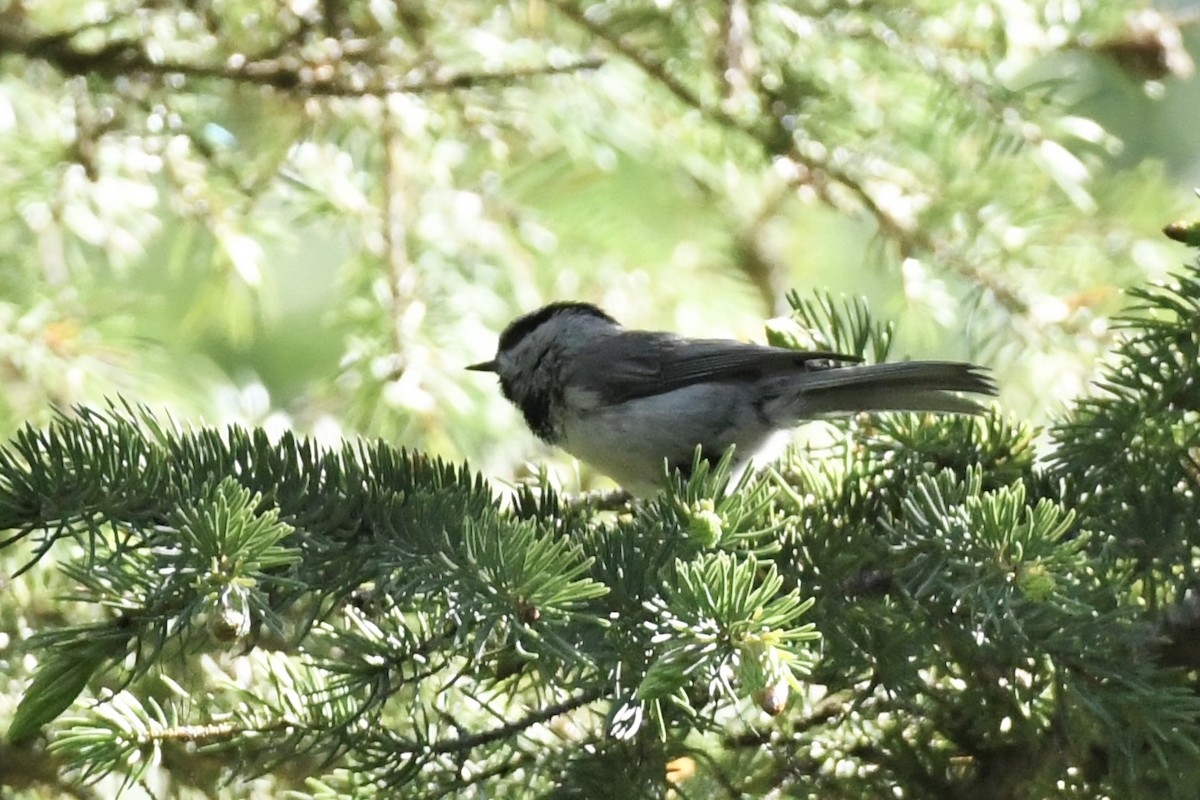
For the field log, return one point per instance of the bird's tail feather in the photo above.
(904, 386)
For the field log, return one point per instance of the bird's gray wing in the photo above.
(633, 364)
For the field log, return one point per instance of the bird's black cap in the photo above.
(521, 327)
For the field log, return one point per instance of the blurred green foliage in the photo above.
(310, 216)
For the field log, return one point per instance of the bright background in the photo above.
(178, 233)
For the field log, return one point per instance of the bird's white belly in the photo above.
(632, 442)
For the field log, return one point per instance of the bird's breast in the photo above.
(635, 440)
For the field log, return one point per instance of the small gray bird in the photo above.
(626, 402)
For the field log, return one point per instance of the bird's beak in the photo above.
(484, 366)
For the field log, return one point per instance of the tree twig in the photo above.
(817, 173)
(286, 73)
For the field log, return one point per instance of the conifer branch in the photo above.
(287, 73)
(462, 744)
(945, 572)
